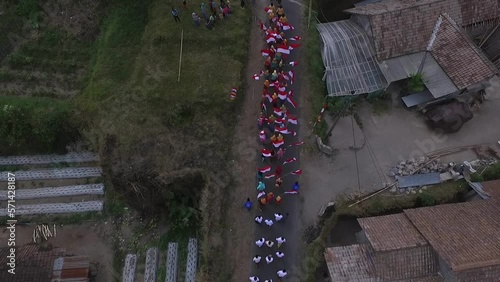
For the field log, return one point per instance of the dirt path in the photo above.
(240, 227)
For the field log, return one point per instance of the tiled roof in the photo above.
(349, 263)
(459, 57)
(492, 188)
(388, 6)
(465, 235)
(474, 11)
(391, 232)
(402, 27)
(424, 279)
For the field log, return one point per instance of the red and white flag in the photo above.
(270, 39)
(296, 144)
(277, 111)
(292, 192)
(283, 49)
(268, 98)
(282, 130)
(277, 143)
(265, 169)
(287, 26)
(279, 120)
(266, 52)
(282, 95)
(293, 46)
(234, 89)
(269, 176)
(292, 75)
(256, 77)
(293, 133)
(292, 120)
(261, 194)
(297, 172)
(295, 38)
(289, 161)
(267, 10)
(323, 109)
(291, 101)
(290, 93)
(263, 26)
(281, 88)
(293, 64)
(266, 153)
(285, 76)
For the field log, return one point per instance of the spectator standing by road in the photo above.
(196, 19)
(175, 14)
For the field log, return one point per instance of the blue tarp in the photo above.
(418, 180)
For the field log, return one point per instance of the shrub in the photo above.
(415, 83)
(35, 125)
(425, 199)
(492, 172)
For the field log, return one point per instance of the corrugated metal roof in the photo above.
(433, 76)
(71, 269)
(418, 180)
(349, 59)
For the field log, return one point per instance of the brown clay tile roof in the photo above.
(492, 188)
(424, 279)
(465, 235)
(391, 232)
(459, 57)
(402, 27)
(349, 263)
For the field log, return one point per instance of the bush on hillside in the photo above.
(34, 125)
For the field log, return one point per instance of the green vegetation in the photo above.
(491, 172)
(35, 125)
(315, 72)
(448, 192)
(415, 83)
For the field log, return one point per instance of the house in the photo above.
(386, 41)
(452, 242)
(34, 263)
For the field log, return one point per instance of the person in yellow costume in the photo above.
(280, 137)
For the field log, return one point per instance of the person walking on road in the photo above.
(280, 154)
(254, 279)
(175, 14)
(281, 273)
(260, 242)
(261, 186)
(278, 182)
(204, 11)
(248, 204)
(270, 197)
(278, 200)
(278, 217)
(269, 259)
(269, 223)
(268, 280)
(257, 259)
(296, 186)
(259, 219)
(269, 243)
(262, 203)
(280, 241)
(280, 254)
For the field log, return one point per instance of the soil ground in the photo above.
(396, 135)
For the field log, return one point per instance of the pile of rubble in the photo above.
(422, 164)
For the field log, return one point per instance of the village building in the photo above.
(387, 41)
(452, 242)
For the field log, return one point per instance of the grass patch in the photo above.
(448, 192)
(491, 172)
(35, 125)
(315, 72)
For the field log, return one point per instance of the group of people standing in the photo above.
(210, 12)
(275, 123)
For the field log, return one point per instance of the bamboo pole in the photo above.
(180, 56)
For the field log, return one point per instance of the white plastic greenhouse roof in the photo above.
(349, 59)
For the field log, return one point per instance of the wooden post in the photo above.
(180, 56)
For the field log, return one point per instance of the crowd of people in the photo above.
(211, 12)
(275, 126)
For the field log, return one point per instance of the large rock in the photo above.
(327, 150)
